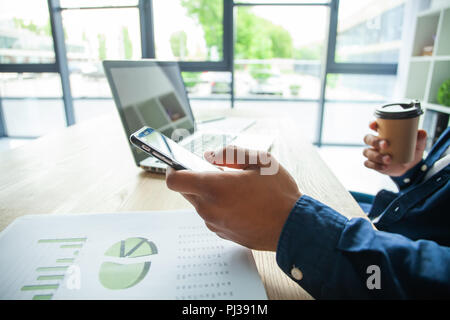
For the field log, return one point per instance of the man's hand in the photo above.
(382, 163)
(243, 206)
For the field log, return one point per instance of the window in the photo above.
(95, 35)
(96, 3)
(351, 102)
(357, 87)
(362, 74)
(101, 29)
(25, 35)
(32, 103)
(86, 109)
(347, 123)
(17, 85)
(283, 1)
(216, 85)
(278, 51)
(188, 30)
(278, 54)
(369, 31)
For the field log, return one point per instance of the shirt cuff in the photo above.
(308, 244)
(409, 177)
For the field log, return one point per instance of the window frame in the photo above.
(333, 67)
(351, 67)
(2, 121)
(59, 66)
(145, 8)
(148, 39)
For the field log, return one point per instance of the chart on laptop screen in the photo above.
(154, 255)
(152, 96)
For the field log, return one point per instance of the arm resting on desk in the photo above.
(334, 253)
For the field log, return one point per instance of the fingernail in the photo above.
(386, 159)
(209, 155)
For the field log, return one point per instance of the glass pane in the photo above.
(305, 114)
(369, 31)
(351, 87)
(25, 32)
(347, 123)
(104, 34)
(32, 117)
(283, 1)
(208, 84)
(96, 3)
(189, 30)
(351, 101)
(278, 51)
(89, 108)
(30, 85)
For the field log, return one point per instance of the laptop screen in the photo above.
(150, 93)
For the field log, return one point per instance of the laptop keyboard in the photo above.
(208, 142)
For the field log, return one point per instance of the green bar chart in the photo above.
(49, 278)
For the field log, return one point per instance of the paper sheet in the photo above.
(148, 255)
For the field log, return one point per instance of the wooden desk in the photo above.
(67, 172)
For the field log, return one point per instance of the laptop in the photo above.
(152, 93)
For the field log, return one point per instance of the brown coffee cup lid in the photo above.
(399, 110)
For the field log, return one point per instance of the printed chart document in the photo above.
(148, 255)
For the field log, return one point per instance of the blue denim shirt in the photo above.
(411, 246)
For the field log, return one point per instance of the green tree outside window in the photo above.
(257, 38)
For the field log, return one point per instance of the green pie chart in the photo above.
(117, 276)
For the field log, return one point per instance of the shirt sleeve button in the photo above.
(406, 180)
(424, 168)
(296, 274)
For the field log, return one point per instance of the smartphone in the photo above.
(168, 151)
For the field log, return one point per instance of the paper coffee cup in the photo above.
(398, 124)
